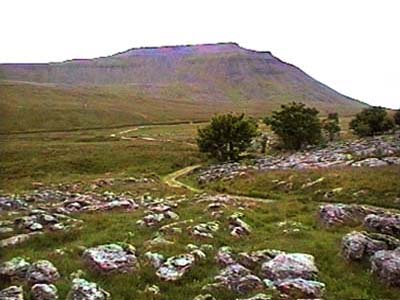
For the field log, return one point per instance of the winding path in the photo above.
(172, 181)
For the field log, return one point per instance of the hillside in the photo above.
(148, 85)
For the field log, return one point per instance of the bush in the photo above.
(330, 126)
(296, 125)
(396, 117)
(371, 121)
(227, 136)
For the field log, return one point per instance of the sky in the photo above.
(352, 46)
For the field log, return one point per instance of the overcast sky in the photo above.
(351, 45)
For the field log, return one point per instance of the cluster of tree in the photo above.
(227, 136)
(372, 121)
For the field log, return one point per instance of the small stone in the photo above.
(155, 259)
(225, 256)
(204, 297)
(43, 291)
(259, 296)
(152, 289)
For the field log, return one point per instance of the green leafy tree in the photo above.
(296, 125)
(396, 117)
(371, 121)
(227, 136)
(330, 126)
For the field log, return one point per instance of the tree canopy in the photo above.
(227, 136)
(296, 125)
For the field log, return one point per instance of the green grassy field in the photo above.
(82, 156)
(30, 107)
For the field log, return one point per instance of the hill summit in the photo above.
(189, 82)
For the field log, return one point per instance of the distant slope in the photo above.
(156, 84)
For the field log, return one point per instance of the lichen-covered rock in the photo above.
(238, 226)
(253, 259)
(237, 278)
(204, 297)
(111, 258)
(387, 224)
(225, 256)
(299, 288)
(290, 265)
(260, 296)
(12, 293)
(205, 230)
(42, 291)
(17, 239)
(386, 265)
(155, 259)
(42, 271)
(175, 267)
(358, 245)
(14, 268)
(85, 290)
(345, 214)
(370, 162)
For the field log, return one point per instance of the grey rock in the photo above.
(370, 162)
(42, 271)
(14, 268)
(112, 258)
(387, 224)
(299, 288)
(12, 293)
(205, 230)
(204, 297)
(290, 265)
(85, 290)
(255, 258)
(175, 267)
(238, 226)
(225, 256)
(42, 291)
(237, 278)
(386, 265)
(259, 296)
(358, 245)
(344, 214)
(155, 259)
(17, 239)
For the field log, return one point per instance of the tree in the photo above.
(371, 121)
(396, 117)
(227, 136)
(330, 126)
(296, 125)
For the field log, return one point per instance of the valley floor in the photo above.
(150, 167)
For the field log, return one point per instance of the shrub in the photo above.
(296, 125)
(371, 121)
(227, 136)
(330, 126)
